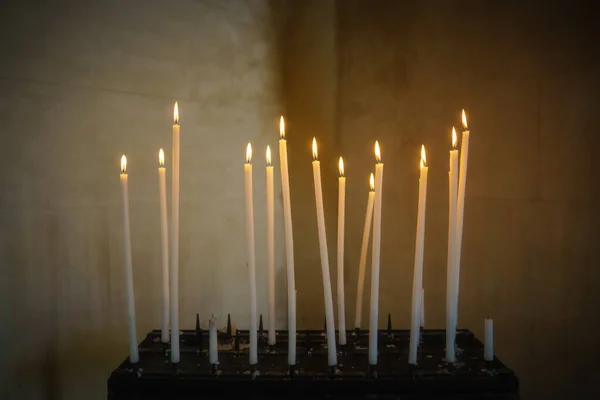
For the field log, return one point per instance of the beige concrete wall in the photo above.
(527, 75)
(82, 82)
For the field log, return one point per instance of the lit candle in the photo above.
(213, 349)
(418, 267)
(363, 254)
(271, 248)
(175, 239)
(450, 286)
(488, 344)
(250, 252)
(375, 258)
(330, 324)
(164, 236)
(289, 244)
(340, 254)
(133, 348)
(460, 205)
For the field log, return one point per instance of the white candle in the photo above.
(164, 236)
(289, 244)
(175, 239)
(450, 303)
(133, 348)
(488, 345)
(363, 255)
(375, 258)
(213, 349)
(340, 254)
(422, 308)
(460, 205)
(330, 323)
(250, 252)
(418, 267)
(270, 248)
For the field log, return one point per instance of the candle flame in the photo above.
(377, 152)
(176, 114)
(423, 157)
(269, 156)
(123, 164)
(248, 153)
(314, 149)
(341, 166)
(282, 128)
(372, 182)
(161, 158)
(464, 120)
(454, 139)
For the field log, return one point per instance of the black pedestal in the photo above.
(154, 377)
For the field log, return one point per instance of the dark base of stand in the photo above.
(471, 377)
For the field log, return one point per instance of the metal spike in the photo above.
(229, 325)
(260, 325)
(389, 327)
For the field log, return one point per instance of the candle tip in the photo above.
(268, 156)
(176, 114)
(281, 127)
(161, 158)
(341, 167)
(314, 149)
(249, 153)
(464, 120)
(377, 152)
(454, 139)
(123, 164)
(372, 182)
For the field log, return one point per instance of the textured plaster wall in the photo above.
(82, 82)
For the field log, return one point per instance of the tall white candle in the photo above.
(270, 249)
(488, 345)
(164, 240)
(422, 308)
(451, 273)
(375, 259)
(460, 205)
(289, 244)
(250, 252)
(133, 348)
(418, 267)
(329, 321)
(213, 349)
(175, 239)
(340, 254)
(363, 255)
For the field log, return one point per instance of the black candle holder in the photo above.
(156, 377)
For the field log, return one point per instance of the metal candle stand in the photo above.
(155, 377)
